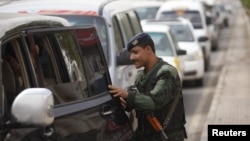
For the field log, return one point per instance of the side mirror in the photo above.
(124, 58)
(34, 106)
(202, 39)
(181, 52)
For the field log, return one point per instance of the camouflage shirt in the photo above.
(156, 92)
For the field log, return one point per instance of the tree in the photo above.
(246, 4)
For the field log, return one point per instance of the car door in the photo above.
(70, 62)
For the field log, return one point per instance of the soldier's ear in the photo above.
(148, 48)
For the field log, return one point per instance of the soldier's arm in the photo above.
(160, 95)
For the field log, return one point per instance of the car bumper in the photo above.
(193, 70)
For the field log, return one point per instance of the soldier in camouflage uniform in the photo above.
(158, 84)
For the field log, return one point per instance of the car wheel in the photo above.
(207, 64)
(215, 46)
(225, 22)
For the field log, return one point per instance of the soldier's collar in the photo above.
(145, 71)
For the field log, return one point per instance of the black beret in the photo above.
(137, 40)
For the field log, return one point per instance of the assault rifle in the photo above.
(153, 120)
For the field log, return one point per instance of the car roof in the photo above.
(151, 27)
(180, 20)
(208, 2)
(57, 4)
(168, 21)
(146, 3)
(92, 7)
(10, 21)
(173, 4)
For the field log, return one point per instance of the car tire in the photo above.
(215, 46)
(225, 22)
(207, 64)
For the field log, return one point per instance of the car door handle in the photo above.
(107, 113)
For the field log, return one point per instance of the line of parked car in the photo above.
(195, 24)
(59, 56)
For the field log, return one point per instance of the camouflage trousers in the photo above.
(177, 135)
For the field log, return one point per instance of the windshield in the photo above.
(163, 46)
(146, 12)
(193, 16)
(78, 20)
(182, 33)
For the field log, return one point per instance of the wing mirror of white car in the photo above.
(34, 106)
(181, 52)
(202, 39)
(124, 58)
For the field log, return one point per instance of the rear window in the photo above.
(181, 32)
(193, 16)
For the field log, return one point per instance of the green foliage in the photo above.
(246, 3)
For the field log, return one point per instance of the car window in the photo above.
(126, 27)
(134, 22)
(100, 24)
(81, 70)
(162, 44)
(193, 16)
(70, 62)
(13, 70)
(173, 39)
(118, 36)
(147, 12)
(182, 32)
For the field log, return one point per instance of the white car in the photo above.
(182, 29)
(224, 12)
(165, 46)
(195, 12)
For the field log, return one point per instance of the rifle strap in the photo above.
(171, 111)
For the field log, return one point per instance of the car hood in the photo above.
(190, 47)
(200, 32)
(169, 59)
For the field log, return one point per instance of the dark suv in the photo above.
(54, 84)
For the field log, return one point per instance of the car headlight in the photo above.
(176, 63)
(197, 55)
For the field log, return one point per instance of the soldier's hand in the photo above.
(118, 92)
